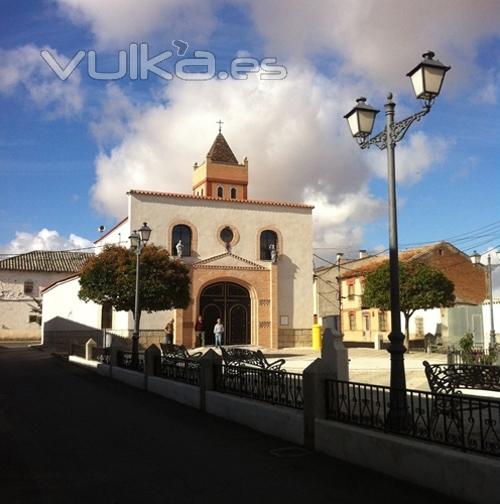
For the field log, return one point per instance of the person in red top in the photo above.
(199, 330)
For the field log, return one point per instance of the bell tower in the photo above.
(220, 175)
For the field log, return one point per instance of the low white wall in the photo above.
(133, 378)
(102, 369)
(466, 476)
(177, 391)
(285, 423)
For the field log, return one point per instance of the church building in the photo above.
(250, 261)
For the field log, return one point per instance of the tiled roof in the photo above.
(369, 264)
(211, 198)
(46, 260)
(220, 152)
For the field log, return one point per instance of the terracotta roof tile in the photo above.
(47, 260)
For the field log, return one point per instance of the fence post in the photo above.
(89, 346)
(334, 364)
(208, 362)
(152, 355)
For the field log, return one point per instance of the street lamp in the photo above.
(476, 259)
(427, 79)
(138, 240)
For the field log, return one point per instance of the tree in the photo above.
(421, 287)
(109, 277)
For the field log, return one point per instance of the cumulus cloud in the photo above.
(24, 67)
(415, 156)
(297, 146)
(379, 39)
(45, 239)
(120, 22)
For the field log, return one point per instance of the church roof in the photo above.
(220, 152)
(46, 260)
(221, 200)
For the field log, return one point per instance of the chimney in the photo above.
(363, 253)
(340, 256)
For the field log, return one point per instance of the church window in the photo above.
(267, 238)
(183, 233)
(227, 235)
(28, 286)
(233, 192)
(220, 192)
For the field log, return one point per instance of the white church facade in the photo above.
(250, 261)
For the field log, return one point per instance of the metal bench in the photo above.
(242, 357)
(453, 378)
(177, 352)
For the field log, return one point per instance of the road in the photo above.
(70, 436)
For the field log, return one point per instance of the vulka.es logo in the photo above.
(138, 64)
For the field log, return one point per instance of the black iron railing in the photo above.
(465, 422)
(179, 369)
(102, 355)
(274, 387)
(124, 360)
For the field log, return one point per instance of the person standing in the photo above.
(218, 332)
(199, 330)
(169, 332)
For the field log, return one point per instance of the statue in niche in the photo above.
(179, 247)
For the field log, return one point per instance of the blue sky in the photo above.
(70, 149)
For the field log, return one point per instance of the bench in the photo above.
(454, 378)
(242, 357)
(452, 401)
(171, 351)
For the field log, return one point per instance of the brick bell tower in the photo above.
(220, 175)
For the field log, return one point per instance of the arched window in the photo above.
(183, 233)
(220, 192)
(233, 192)
(267, 238)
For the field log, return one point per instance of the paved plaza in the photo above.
(68, 435)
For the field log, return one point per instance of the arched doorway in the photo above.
(231, 303)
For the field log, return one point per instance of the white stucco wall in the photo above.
(294, 227)
(16, 306)
(117, 236)
(487, 320)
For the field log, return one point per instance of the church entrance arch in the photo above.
(231, 303)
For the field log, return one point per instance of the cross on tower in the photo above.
(220, 123)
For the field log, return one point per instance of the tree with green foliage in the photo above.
(421, 287)
(109, 277)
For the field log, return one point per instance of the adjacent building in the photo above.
(22, 278)
(370, 326)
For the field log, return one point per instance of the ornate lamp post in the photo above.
(138, 240)
(427, 78)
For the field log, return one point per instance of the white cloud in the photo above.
(379, 39)
(120, 22)
(290, 130)
(24, 67)
(414, 157)
(45, 239)
(495, 275)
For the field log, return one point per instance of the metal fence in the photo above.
(179, 369)
(477, 355)
(124, 360)
(468, 423)
(274, 387)
(102, 355)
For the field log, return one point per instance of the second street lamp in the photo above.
(427, 79)
(138, 240)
